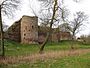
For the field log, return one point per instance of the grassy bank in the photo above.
(14, 49)
(57, 55)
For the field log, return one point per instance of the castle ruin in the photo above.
(27, 31)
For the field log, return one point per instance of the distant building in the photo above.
(27, 31)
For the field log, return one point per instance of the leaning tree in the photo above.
(55, 13)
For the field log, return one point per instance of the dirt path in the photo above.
(46, 55)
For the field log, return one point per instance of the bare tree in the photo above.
(56, 13)
(75, 26)
(46, 16)
(51, 23)
(62, 13)
(6, 7)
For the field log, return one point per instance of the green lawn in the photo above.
(17, 49)
(14, 49)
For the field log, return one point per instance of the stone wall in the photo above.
(29, 30)
(55, 36)
(65, 35)
(13, 32)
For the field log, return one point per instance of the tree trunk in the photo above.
(2, 34)
(72, 42)
(58, 35)
(44, 43)
(50, 29)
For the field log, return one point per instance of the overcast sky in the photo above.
(83, 5)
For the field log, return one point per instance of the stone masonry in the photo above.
(29, 29)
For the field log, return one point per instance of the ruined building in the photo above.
(27, 31)
(14, 32)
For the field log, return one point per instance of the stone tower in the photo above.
(29, 30)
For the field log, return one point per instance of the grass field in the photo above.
(57, 55)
